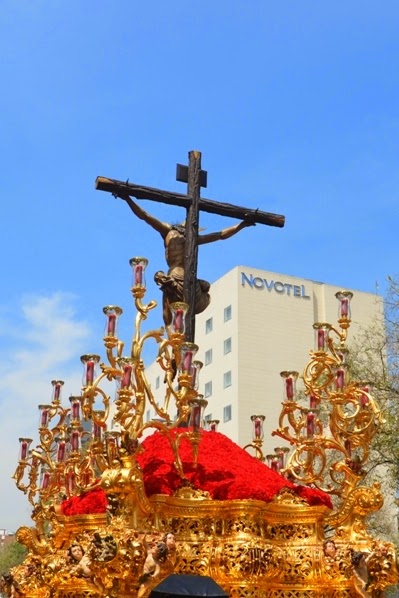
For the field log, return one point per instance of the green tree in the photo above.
(374, 360)
(11, 555)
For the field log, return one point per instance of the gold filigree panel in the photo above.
(289, 532)
(297, 566)
(193, 559)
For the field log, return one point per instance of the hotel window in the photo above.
(208, 417)
(227, 346)
(227, 313)
(208, 326)
(208, 389)
(157, 382)
(148, 415)
(208, 357)
(227, 379)
(227, 413)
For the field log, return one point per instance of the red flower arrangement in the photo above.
(90, 503)
(224, 470)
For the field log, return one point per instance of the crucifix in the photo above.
(180, 283)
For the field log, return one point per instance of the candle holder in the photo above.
(139, 265)
(322, 331)
(126, 365)
(196, 367)
(177, 327)
(281, 452)
(75, 409)
(44, 417)
(212, 425)
(24, 444)
(273, 462)
(57, 388)
(197, 407)
(89, 369)
(257, 436)
(344, 308)
(187, 354)
(112, 314)
(290, 379)
(257, 430)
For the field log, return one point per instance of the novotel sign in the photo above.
(282, 288)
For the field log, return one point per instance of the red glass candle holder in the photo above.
(344, 304)
(196, 367)
(75, 441)
(274, 463)
(24, 444)
(187, 354)
(322, 331)
(112, 313)
(340, 379)
(257, 426)
(57, 388)
(45, 478)
(61, 450)
(212, 425)
(178, 324)
(138, 264)
(75, 408)
(197, 407)
(98, 432)
(281, 452)
(126, 365)
(89, 368)
(289, 382)
(310, 424)
(71, 483)
(44, 416)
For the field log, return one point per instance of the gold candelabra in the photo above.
(252, 548)
(72, 457)
(331, 435)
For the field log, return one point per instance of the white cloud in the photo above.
(40, 341)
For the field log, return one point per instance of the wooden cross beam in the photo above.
(195, 179)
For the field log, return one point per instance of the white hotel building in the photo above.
(258, 324)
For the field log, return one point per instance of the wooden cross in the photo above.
(195, 179)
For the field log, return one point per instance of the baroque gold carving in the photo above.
(251, 548)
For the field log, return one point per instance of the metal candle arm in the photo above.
(353, 417)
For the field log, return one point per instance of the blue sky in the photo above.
(294, 106)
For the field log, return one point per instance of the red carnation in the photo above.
(90, 503)
(224, 470)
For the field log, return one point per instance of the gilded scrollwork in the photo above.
(288, 532)
(297, 565)
(193, 558)
(253, 549)
(242, 526)
(382, 567)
